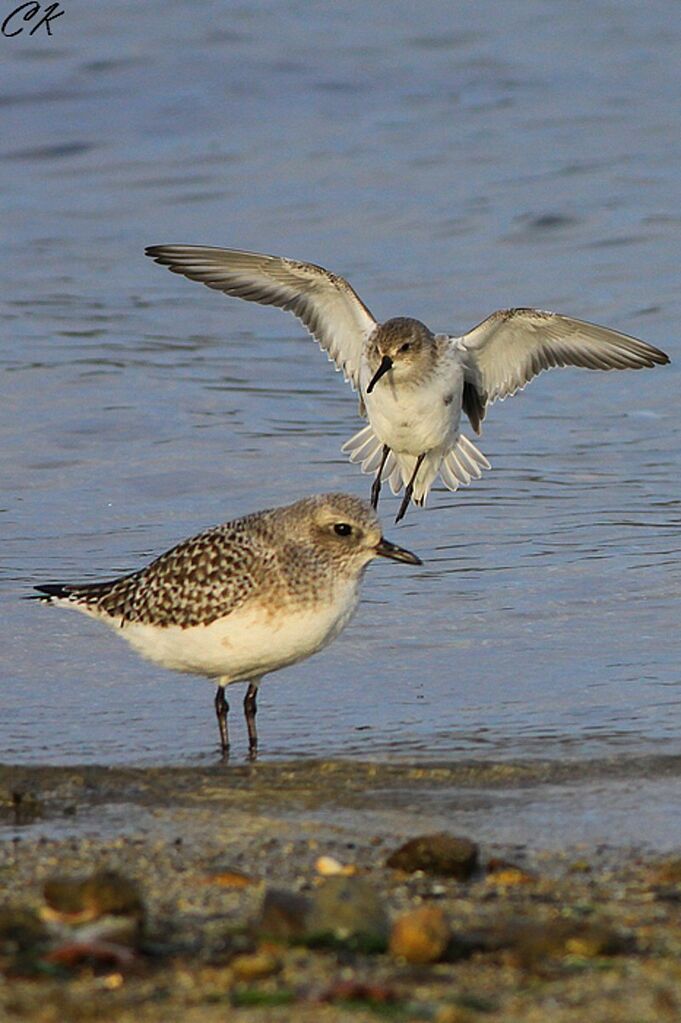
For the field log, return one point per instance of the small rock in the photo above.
(229, 879)
(110, 893)
(255, 965)
(507, 875)
(420, 936)
(532, 943)
(64, 896)
(348, 907)
(104, 893)
(284, 915)
(328, 866)
(446, 855)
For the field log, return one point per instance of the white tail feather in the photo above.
(462, 463)
(365, 447)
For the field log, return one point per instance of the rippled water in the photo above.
(450, 160)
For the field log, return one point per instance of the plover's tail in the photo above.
(50, 593)
(104, 600)
(461, 464)
(72, 593)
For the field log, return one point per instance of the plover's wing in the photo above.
(504, 352)
(203, 578)
(326, 304)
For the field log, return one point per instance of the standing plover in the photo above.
(413, 384)
(244, 598)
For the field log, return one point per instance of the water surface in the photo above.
(450, 160)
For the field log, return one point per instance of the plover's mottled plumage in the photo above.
(413, 384)
(244, 598)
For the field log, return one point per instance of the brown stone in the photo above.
(229, 879)
(104, 893)
(255, 965)
(421, 935)
(446, 855)
(531, 943)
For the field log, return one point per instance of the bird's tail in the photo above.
(52, 593)
(89, 598)
(462, 463)
(365, 447)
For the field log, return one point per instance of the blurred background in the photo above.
(450, 160)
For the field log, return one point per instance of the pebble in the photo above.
(530, 944)
(507, 875)
(255, 965)
(446, 855)
(328, 866)
(105, 892)
(420, 936)
(229, 879)
(348, 907)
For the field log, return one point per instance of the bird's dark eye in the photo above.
(342, 529)
(405, 347)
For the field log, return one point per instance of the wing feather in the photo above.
(325, 303)
(504, 352)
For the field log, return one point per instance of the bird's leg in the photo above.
(250, 710)
(222, 710)
(376, 488)
(410, 488)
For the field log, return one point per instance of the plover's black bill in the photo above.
(390, 550)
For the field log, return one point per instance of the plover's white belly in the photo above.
(247, 643)
(415, 419)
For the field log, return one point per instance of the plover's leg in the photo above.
(376, 487)
(410, 488)
(250, 710)
(222, 710)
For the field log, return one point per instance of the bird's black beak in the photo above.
(386, 364)
(386, 549)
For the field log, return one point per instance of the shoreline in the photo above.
(624, 801)
(538, 931)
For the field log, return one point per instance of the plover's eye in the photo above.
(405, 347)
(342, 529)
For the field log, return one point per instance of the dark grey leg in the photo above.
(410, 488)
(222, 710)
(250, 710)
(376, 488)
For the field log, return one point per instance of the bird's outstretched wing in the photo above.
(504, 352)
(326, 304)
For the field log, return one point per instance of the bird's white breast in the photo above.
(248, 643)
(417, 417)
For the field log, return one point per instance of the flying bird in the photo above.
(413, 384)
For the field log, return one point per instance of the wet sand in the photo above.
(546, 928)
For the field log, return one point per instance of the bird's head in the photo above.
(402, 347)
(343, 529)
